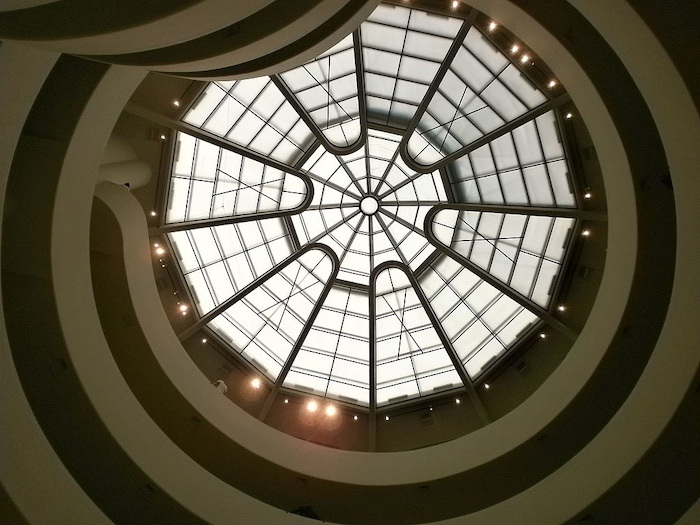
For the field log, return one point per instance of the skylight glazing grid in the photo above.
(402, 50)
(526, 167)
(254, 114)
(218, 262)
(334, 359)
(208, 181)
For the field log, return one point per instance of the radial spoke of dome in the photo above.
(311, 123)
(371, 245)
(436, 325)
(392, 240)
(294, 238)
(334, 227)
(372, 354)
(352, 176)
(439, 76)
(406, 181)
(526, 303)
(221, 221)
(206, 136)
(360, 74)
(387, 203)
(571, 213)
(352, 238)
(488, 137)
(304, 331)
(401, 220)
(391, 163)
(332, 206)
(202, 321)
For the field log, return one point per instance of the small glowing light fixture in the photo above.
(457, 401)
(493, 26)
(455, 4)
(331, 410)
(286, 401)
(255, 383)
(183, 307)
(153, 213)
(160, 251)
(176, 103)
(355, 418)
(543, 335)
(204, 341)
(586, 233)
(552, 83)
(163, 137)
(515, 49)
(487, 386)
(386, 418)
(568, 116)
(524, 58)
(312, 406)
(431, 409)
(561, 307)
(587, 195)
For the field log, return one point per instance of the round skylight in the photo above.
(382, 223)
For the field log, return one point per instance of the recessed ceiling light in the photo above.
(487, 386)
(163, 137)
(457, 401)
(455, 4)
(255, 383)
(515, 49)
(355, 418)
(524, 58)
(204, 341)
(543, 335)
(183, 307)
(552, 83)
(386, 418)
(568, 116)
(586, 233)
(160, 251)
(176, 103)
(492, 26)
(561, 307)
(330, 410)
(153, 213)
(312, 406)
(286, 401)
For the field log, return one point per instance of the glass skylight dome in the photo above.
(382, 223)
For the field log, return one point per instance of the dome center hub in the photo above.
(369, 205)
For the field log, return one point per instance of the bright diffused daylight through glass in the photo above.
(382, 223)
